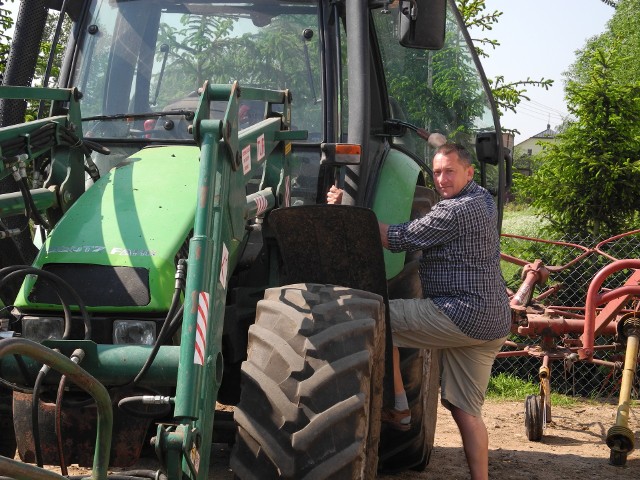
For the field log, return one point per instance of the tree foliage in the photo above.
(7, 22)
(589, 181)
(622, 30)
(212, 48)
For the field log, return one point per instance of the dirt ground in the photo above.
(573, 447)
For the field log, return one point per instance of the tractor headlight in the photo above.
(42, 328)
(137, 332)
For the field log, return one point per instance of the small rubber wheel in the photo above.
(533, 417)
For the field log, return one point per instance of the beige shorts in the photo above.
(465, 363)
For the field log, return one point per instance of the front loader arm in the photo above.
(56, 139)
(227, 162)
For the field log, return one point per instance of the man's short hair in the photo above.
(463, 153)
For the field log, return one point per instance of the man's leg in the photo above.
(475, 441)
(398, 384)
(399, 417)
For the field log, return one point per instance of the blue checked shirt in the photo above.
(460, 265)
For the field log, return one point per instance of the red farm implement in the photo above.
(570, 332)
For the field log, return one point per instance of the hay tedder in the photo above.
(611, 310)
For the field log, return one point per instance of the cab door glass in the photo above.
(440, 91)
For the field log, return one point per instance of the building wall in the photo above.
(531, 146)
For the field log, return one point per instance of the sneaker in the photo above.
(397, 419)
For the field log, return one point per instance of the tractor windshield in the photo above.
(141, 62)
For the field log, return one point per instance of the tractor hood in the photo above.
(117, 245)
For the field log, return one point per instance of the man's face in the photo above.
(450, 175)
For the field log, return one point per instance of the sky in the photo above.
(539, 38)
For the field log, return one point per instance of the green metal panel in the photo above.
(136, 215)
(393, 199)
(109, 364)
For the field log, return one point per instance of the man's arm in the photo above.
(384, 229)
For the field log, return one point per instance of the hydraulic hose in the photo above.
(58, 425)
(84, 381)
(28, 200)
(163, 400)
(165, 330)
(35, 404)
(170, 330)
(26, 269)
(76, 357)
(15, 388)
(65, 308)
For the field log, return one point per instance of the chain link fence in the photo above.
(576, 261)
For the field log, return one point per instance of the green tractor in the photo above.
(171, 277)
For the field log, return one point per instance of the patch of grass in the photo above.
(508, 387)
(563, 400)
(521, 220)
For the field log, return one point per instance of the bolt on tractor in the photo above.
(171, 277)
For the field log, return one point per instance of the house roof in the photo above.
(548, 133)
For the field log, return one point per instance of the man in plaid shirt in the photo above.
(465, 311)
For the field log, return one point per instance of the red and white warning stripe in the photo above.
(201, 328)
(261, 204)
(287, 191)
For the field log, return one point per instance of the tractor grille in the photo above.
(97, 285)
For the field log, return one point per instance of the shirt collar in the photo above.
(468, 188)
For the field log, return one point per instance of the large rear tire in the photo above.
(412, 450)
(312, 385)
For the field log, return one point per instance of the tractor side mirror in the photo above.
(487, 148)
(508, 158)
(422, 23)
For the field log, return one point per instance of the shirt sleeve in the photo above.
(435, 228)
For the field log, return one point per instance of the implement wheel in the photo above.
(533, 417)
(312, 385)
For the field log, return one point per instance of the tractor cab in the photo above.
(141, 65)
